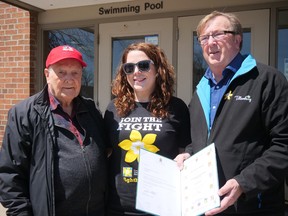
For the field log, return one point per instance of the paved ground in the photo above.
(2, 211)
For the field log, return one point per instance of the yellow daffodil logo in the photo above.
(228, 95)
(136, 142)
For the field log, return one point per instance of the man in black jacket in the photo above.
(242, 107)
(53, 159)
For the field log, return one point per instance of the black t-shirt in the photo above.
(141, 130)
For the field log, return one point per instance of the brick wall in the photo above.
(18, 34)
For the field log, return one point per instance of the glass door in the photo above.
(115, 37)
(282, 46)
(191, 64)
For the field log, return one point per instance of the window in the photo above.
(282, 46)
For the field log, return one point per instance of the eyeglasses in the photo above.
(203, 39)
(143, 66)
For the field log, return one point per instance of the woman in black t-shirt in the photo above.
(143, 114)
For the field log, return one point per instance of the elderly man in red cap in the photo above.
(53, 159)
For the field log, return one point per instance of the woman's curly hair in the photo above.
(164, 88)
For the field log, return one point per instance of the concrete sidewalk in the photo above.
(3, 211)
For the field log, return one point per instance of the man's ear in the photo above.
(46, 72)
(238, 39)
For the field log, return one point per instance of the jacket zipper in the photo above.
(89, 176)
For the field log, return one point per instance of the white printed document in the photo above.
(163, 189)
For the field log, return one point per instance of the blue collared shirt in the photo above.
(218, 89)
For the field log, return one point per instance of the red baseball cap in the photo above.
(64, 52)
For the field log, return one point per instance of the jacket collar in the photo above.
(42, 103)
(203, 88)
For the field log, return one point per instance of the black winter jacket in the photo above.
(27, 156)
(250, 132)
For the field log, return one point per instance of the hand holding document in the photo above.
(163, 189)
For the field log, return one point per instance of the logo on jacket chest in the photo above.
(230, 96)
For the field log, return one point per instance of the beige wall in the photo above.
(93, 12)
